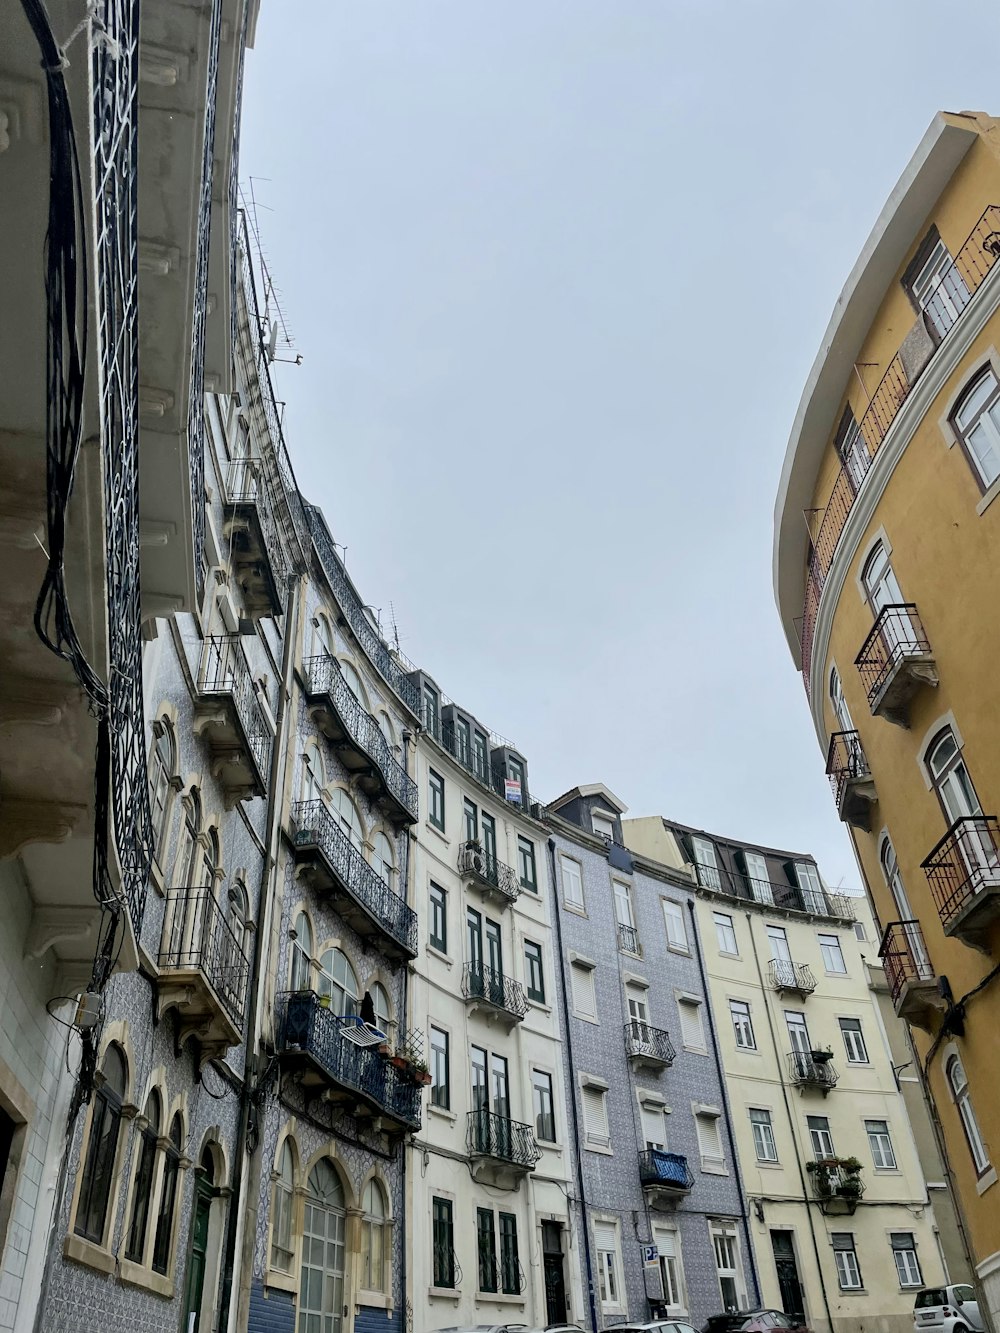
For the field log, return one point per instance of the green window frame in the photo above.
(438, 928)
(526, 864)
(534, 975)
(435, 791)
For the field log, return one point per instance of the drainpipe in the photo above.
(574, 1113)
(725, 1102)
(791, 1126)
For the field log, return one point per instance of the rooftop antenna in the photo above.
(276, 322)
(395, 627)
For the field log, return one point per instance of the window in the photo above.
(954, 787)
(777, 938)
(337, 980)
(623, 904)
(833, 956)
(706, 863)
(383, 859)
(846, 1259)
(386, 728)
(510, 1264)
(742, 1025)
(673, 916)
(347, 817)
(595, 1117)
(163, 1240)
(443, 1242)
(486, 1248)
(820, 1137)
(479, 753)
(321, 1272)
(977, 424)
(143, 1187)
(471, 820)
(854, 1041)
(959, 1084)
(724, 933)
(533, 975)
(440, 1069)
(526, 864)
(283, 1199)
(463, 742)
(880, 1144)
(727, 1264)
(807, 875)
(584, 996)
(904, 1252)
(763, 1135)
(162, 765)
(541, 1095)
(838, 703)
(709, 1140)
(859, 931)
(608, 1264)
(668, 1244)
(381, 1006)
(936, 285)
(692, 1033)
(757, 878)
(373, 1238)
(431, 710)
(435, 793)
(302, 947)
(572, 881)
(438, 932)
(102, 1147)
(654, 1127)
(603, 824)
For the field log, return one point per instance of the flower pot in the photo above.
(400, 1062)
(423, 1079)
(821, 1057)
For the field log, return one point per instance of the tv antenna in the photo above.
(275, 333)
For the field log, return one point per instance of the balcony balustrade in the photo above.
(963, 871)
(665, 1177)
(648, 1046)
(628, 940)
(795, 978)
(501, 1148)
(335, 866)
(358, 738)
(812, 1069)
(837, 1183)
(230, 717)
(909, 974)
(895, 661)
(496, 995)
(250, 524)
(204, 971)
(851, 779)
(312, 1041)
(775, 893)
(494, 879)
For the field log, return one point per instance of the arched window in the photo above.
(321, 1283)
(322, 639)
(302, 954)
(353, 682)
(914, 935)
(162, 768)
(210, 860)
(839, 703)
(347, 817)
(102, 1146)
(383, 859)
(163, 1241)
(382, 1006)
(387, 730)
(142, 1190)
(959, 1085)
(313, 777)
(951, 777)
(189, 862)
(237, 913)
(976, 421)
(373, 1239)
(337, 980)
(282, 1252)
(879, 581)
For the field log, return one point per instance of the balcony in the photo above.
(628, 940)
(909, 974)
(333, 865)
(316, 1043)
(256, 552)
(964, 874)
(812, 1069)
(851, 779)
(502, 1150)
(648, 1047)
(204, 972)
(496, 996)
(837, 1184)
(792, 978)
(775, 893)
(895, 662)
(665, 1177)
(230, 717)
(358, 739)
(496, 881)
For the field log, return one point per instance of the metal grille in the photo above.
(486, 983)
(492, 1135)
(483, 866)
(786, 975)
(197, 937)
(226, 671)
(904, 956)
(806, 1070)
(896, 635)
(628, 940)
(963, 863)
(247, 485)
(845, 761)
(643, 1040)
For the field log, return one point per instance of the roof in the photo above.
(739, 842)
(590, 789)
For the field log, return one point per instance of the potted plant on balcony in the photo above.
(400, 1061)
(822, 1172)
(822, 1057)
(851, 1165)
(420, 1073)
(850, 1187)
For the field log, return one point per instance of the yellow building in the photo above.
(887, 548)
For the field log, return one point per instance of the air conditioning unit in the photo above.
(475, 859)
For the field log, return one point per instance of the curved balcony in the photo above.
(358, 738)
(648, 1046)
(909, 974)
(500, 1148)
(963, 871)
(204, 971)
(229, 715)
(335, 866)
(312, 1041)
(628, 940)
(795, 978)
(812, 1069)
(851, 779)
(494, 879)
(665, 1177)
(895, 661)
(256, 552)
(497, 996)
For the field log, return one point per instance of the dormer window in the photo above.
(603, 824)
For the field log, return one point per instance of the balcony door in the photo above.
(480, 1099)
(758, 878)
(781, 955)
(914, 935)
(882, 590)
(500, 1096)
(838, 703)
(494, 962)
(798, 1035)
(638, 1014)
(958, 798)
(490, 841)
(321, 1284)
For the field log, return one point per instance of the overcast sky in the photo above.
(558, 270)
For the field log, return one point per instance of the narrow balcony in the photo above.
(665, 1177)
(648, 1047)
(812, 1069)
(851, 779)
(909, 974)
(964, 874)
(204, 972)
(837, 1184)
(895, 662)
(230, 717)
(497, 997)
(256, 552)
(628, 940)
(791, 978)
(333, 865)
(318, 1045)
(358, 739)
(502, 1150)
(495, 881)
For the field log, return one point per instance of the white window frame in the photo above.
(706, 863)
(854, 1042)
(725, 934)
(690, 1006)
(908, 1271)
(728, 1233)
(849, 1276)
(599, 1137)
(831, 951)
(583, 990)
(610, 1274)
(880, 1143)
(673, 912)
(603, 824)
(710, 1146)
(671, 1265)
(762, 1129)
(739, 1011)
(573, 877)
(825, 1137)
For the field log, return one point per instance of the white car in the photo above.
(951, 1309)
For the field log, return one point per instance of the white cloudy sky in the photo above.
(558, 270)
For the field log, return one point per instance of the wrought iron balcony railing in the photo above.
(775, 893)
(963, 871)
(837, 1183)
(489, 872)
(249, 497)
(225, 672)
(310, 1029)
(628, 940)
(850, 778)
(971, 265)
(644, 1042)
(668, 1171)
(493, 988)
(198, 938)
(808, 1070)
(324, 679)
(499, 1137)
(905, 959)
(376, 909)
(785, 975)
(896, 639)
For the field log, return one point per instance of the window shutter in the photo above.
(584, 999)
(902, 1240)
(595, 1116)
(709, 1138)
(666, 1243)
(691, 1030)
(842, 1240)
(605, 1236)
(653, 1126)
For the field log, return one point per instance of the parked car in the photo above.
(752, 1321)
(951, 1309)
(654, 1326)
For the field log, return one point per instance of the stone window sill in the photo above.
(444, 1293)
(86, 1252)
(135, 1275)
(282, 1281)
